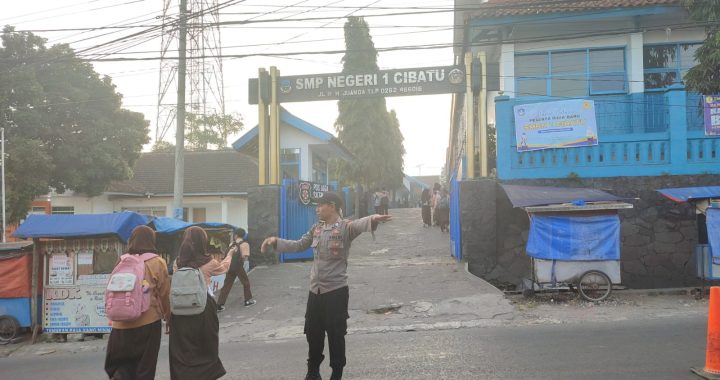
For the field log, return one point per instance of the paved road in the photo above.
(650, 349)
(416, 314)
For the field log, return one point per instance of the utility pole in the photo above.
(180, 132)
(2, 137)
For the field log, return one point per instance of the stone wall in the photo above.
(658, 236)
(263, 221)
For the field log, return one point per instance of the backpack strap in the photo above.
(145, 257)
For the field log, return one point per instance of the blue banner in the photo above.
(574, 238)
(563, 124)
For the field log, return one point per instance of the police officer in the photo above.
(327, 305)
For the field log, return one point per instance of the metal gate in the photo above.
(455, 233)
(295, 218)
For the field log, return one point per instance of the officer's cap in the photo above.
(330, 198)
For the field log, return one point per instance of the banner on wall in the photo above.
(562, 124)
(712, 115)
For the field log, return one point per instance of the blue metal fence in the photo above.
(639, 134)
(455, 230)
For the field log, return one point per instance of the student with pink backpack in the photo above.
(136, 299)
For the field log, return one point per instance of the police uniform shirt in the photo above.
(331, 248)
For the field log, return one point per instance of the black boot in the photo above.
(313, 372)
(336, 373)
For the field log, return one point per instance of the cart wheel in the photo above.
(9, 328)
(594, 286)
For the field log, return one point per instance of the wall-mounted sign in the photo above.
(310, 192)
(563, 124)
(397, 82)
(712, 115)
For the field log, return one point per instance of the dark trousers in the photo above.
(327, 313)
(238, 272)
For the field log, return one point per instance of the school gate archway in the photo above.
(270, 89)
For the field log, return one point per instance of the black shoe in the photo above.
(250, 302)
(220, 308)
(313, 375)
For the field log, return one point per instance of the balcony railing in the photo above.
(643, 134)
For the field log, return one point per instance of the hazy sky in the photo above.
(424, 120)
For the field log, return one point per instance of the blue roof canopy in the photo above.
(165, 225)
(525, 196)
(685, 194)
(119, 224)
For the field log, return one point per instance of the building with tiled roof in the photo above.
(580, 93)
(215, 188)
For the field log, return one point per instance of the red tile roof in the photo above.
(500, 8)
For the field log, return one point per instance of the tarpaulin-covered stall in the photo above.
(706, 201)
(77, 253)
(169, 235)
(15, 288)
(574, 236)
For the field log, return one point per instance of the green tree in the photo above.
(64, 125)
(364, 126)
(206, 130)
(705, 76)
(163, 147)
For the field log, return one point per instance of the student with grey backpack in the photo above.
(194, 324)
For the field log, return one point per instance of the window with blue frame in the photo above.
(290, 163)
(571, 73)
(319, 169)
(666, 64)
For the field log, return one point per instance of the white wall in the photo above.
(291, 137)
(235, 207)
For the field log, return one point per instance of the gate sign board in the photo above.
(397, 82)
(310, 192)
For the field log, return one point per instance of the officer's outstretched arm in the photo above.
(269, 242)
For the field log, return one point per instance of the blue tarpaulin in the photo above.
(713, 229)
(574, 238)
(165, 225)
(120, 224)
(524, 196)
(684, 194)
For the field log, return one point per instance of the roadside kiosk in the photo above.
(77, 253)
(574, 238)
(706, 202)
(15, 289)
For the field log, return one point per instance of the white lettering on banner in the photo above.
(309, 83)
(357, 80)
(420, 76)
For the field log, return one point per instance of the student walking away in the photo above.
(240, 251)
(384, 202)
(194, 325)
(327, 304)
(425, 201)
(377, 201)
(134, 342)
(435, 200)
(443, 210)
